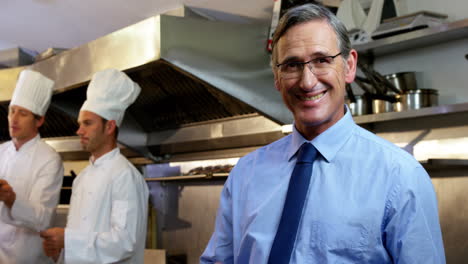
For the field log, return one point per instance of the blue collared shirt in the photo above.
(368, 202)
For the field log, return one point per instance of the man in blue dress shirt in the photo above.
(368, 201)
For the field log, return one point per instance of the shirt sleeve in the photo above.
(36, 210)
(128, 218)
(412, 233)
(220, 246)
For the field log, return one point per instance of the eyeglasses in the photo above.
(318, 66)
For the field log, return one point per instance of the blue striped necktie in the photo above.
(283, 244)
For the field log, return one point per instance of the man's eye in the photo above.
(293, 65)
(323, 60)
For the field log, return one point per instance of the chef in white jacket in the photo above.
(108, 208)
(31, 173)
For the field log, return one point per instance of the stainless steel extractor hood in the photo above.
(15, 57)
(206, 85)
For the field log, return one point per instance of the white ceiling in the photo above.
(39, 24)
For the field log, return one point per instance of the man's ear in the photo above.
(276, 78)
(111, 126)
(277, 85)
(351, 66)
(40, 122)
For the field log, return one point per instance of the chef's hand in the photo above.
(52, 253)
(53, 241)
(7, 195)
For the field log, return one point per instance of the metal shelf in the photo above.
(445, 164)
(209, 176)
(415, 39)
(423, 112)
(430, 164)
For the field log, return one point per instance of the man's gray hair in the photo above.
(309, 12)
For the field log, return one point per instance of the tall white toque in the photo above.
(33, 91)
(109, 94)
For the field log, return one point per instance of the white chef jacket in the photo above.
(35, 173)
(108, 213)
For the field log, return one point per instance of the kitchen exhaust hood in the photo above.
(206, 86)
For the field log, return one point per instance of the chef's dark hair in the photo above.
(309, 12)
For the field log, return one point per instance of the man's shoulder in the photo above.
(47, 153)
(124, 173)
(5, 145)
(384, 148)
(277, 147)
(123, 166)
(46, 149)
(116, 169)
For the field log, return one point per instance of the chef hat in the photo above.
(33, 91)
(109, 94)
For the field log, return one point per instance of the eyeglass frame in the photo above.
(307, 63)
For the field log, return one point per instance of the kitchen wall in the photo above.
(197, 207)
(185, 210)
(76, 166)
(455, 9)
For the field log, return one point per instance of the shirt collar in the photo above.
(108, 156)
(329, 142)
(28, 144)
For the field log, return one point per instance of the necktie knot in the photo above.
(306, 154)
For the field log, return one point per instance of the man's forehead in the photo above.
(19, 108)
(315, 37)
(88, 115)
(307, 49)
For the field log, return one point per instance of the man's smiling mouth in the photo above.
(311, 98)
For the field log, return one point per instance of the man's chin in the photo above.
(84, 146)
(13, 133)
(310, 117)
(317, 119)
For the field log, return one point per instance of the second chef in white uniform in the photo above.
(108, 208)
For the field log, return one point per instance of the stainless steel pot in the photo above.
(360, 107)
(403, 81)
(381, 106)
(416, 99)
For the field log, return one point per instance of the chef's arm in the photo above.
(128, 218)
(36, 210)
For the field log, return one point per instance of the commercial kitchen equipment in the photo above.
(200, 92)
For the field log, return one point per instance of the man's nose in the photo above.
(13, 117)
(308, 77)
(79, 132)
